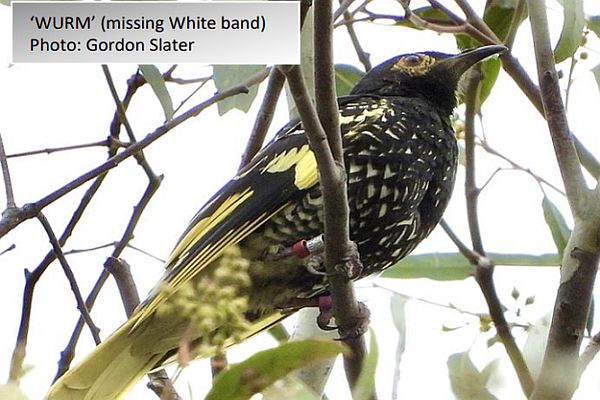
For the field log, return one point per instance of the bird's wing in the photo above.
(275, 177)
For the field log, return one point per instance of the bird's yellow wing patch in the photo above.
(191, 256)
(208, 223)
(302, 160)
(306, 171)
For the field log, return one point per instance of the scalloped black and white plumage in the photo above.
(401, 157)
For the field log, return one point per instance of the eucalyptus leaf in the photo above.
(156, 81)
(557, 224)
(453, 266)
(571, 35)
(365, 386)
(226, 76)
(500, 16)
(466, 380)
(593, 24)
(346, 77)
(241, 381)
(279, 332)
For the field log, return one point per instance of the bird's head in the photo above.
(429, 75)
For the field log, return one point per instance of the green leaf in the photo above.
(572, 30)
(466, 380)
(500, 16)
(243, 380)
(593, 24)
(453, 266)
(11, 391)
(226, 76)
(515, 293)
(556, 222)
(153, 76)
(365, 386)
(279, 332)
(346, 77)
(490, 368)
(490, 69)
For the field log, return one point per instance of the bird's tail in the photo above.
(108, 373)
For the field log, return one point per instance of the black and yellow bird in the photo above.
(234, 260)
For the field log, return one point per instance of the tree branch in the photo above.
(71, 278)
(484, 267)
(159, 383)
(264, 117)
(332, 178)
(30, 210)
(566, 155)
(559, 374)
(10, 197)
(69, 351)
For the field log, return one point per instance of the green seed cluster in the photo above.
(213, 305)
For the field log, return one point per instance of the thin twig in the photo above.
(264, 116)
(9, 248)
(360, 52)
(486, 146)
(472, 256)
(484, 268)
(30, 210)
(471, 189)
(588, 354)
(68, 353)
(101, 143)
(10, 197)
(446, 306)
(70, 277)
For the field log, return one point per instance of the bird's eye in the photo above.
(412, 60)
(414, 64)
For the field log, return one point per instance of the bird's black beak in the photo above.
(460, 63)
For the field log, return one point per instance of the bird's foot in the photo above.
(325, 313)
(351, 266)
(358, 325)
(355, 328)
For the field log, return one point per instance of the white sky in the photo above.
(61, 104)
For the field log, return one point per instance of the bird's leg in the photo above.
(313, 250)
(324, 303)
(301, 249)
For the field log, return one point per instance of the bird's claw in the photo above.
(351, 266)
(360, 324)
(325, 313)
